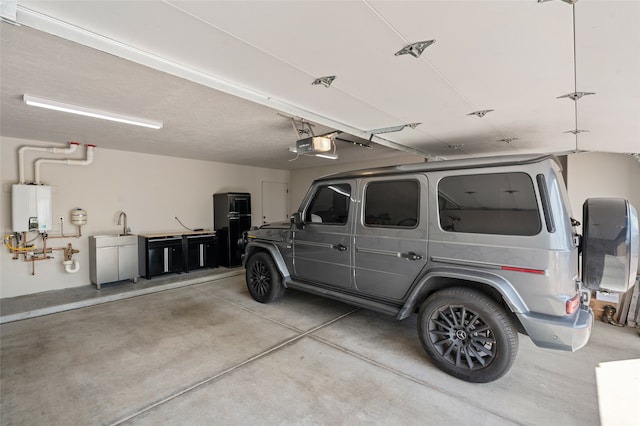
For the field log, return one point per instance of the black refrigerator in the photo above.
(231, 217)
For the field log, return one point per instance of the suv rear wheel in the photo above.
(467, 334)
(263, 280)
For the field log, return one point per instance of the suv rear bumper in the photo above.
(567, 334)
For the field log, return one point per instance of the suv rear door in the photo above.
(390, 235)
(322, 248)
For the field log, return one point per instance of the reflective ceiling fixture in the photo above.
(393, 128)
(480, 113)
(415, 49)
(325, 81)
(327, 156)
(574, 96)
(576, 131)
(90, 112)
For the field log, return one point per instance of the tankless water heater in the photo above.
(31, 208)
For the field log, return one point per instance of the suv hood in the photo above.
(276, 225)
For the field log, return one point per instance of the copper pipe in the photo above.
(64, 236)
(24, 239)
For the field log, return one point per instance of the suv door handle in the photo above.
(411, 256)
(340, 247)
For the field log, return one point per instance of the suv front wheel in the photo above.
(263, 279)
(467, 334)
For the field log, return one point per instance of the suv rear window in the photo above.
(392, 204)
(330, 204)
(500, 203)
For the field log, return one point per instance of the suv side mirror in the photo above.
(296, 219)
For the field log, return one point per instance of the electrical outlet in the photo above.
(61, 219)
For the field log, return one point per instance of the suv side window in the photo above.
(392, 204)
(330, 205)
(499, 203)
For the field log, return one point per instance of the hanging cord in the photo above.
(575, 72)
(176, 218)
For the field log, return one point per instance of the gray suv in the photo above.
(481, 249)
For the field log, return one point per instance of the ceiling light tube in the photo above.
(328, 156)
(90, 112)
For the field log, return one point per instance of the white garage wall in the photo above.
(602, 175)
(151, 189)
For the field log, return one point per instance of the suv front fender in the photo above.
(255, 246)
(431, 281)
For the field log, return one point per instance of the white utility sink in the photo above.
(112, 240)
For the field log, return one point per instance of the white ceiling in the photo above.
(188, 63)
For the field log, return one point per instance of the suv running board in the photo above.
(345, 297)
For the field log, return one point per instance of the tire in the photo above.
(467, 334)
(263, 279)
(609, 231)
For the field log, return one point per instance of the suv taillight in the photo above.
(573, 304)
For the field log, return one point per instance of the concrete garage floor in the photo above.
(208, 354)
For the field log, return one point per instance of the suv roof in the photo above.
(469, 163)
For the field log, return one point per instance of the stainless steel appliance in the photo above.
(231, 217)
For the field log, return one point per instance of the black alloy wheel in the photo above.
(468, 334)
(263, 279)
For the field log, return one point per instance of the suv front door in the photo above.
(322, 247)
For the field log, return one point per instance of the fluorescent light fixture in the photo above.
(90, 112)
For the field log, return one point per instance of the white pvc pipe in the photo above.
(69, 162)
(71, 266)
(56, 150)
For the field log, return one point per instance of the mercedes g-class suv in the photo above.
(482, 249)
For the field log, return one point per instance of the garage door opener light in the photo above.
(90, 112)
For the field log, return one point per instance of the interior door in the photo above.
(323, 249)
(275, 200)
(391, 236)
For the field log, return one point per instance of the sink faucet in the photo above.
(125, 229)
